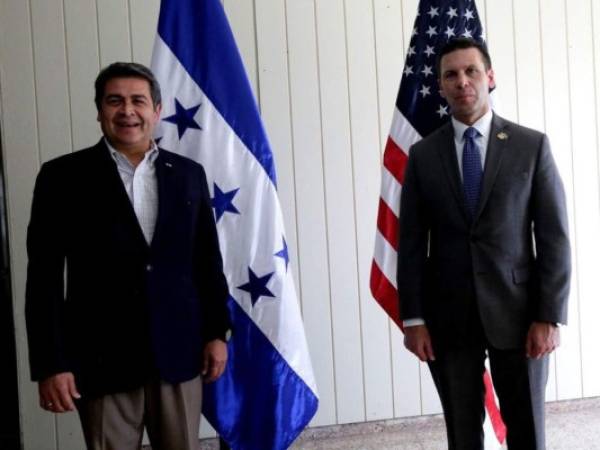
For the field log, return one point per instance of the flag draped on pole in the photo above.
(419, 111)
(267, 394)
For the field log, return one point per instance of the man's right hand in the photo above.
(57, 392)
(418, 341)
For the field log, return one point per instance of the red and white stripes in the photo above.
(385, 259)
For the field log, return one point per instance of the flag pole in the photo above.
(223, 445)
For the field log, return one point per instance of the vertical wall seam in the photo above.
(569, 89)
(35, 80)
(325, 217)
(98, 34)
(292, 140)
(356, 240)
(68, 73)
(595, 106)
(130, 24)
(544, 120)
(37, 134)
(516, 74)
(381, 149)
(256, 56)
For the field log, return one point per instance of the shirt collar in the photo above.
(150, 155)
(483, 125)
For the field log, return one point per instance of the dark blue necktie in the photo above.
(472, 172)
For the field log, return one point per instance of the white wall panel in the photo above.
(83, 64)
(114, 31)
(51, 79)
(366, 168)
(144, 19)
(328, 110)
(326, 73)
(21, 163)
(500, 39)
(585, 165)
(273, 77)
(557, 114)
(530, 95)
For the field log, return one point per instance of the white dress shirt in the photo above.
(141, 187)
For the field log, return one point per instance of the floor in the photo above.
(570, 425)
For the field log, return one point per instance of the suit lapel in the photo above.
(499, 138)
(167, 184)
(113, 189)
(447, 152)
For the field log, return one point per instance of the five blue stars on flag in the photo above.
(184, 118)
(222, 202)
(257, 286)
(283, 253)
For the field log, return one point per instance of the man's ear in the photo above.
(491, 79)
(440, 91)
(158, 109)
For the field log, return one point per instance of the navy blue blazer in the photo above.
(129, 310)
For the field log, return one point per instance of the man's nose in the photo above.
(126, 107)
(462, 80)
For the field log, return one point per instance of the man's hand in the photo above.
(542, 339)
(215, 359)
(418, 341)
(57, 393)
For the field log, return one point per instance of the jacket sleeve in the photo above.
(412, 244)
(209, 270)
(550, 227)
(44, 292)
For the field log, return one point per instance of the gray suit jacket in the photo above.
(512, 259)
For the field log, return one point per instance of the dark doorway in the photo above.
(9, 415)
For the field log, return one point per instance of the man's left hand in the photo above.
(215, 359)
(543, 338)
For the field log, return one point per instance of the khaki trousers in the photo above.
(170, 413)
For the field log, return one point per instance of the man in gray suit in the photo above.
(484, 257)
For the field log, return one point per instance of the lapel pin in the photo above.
(168, 164)
(502, 136)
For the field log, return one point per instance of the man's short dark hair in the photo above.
(126, 70)
(463, 44)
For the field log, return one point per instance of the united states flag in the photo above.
(419, 110)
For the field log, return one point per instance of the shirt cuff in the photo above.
(413, 322)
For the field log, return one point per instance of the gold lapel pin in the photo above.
(502, 136)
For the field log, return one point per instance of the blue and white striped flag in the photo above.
(268, 393)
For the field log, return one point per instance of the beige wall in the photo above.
(326, 74)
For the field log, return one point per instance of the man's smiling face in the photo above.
(127, 115)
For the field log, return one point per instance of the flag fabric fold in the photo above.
(267, 394)
(419, 110)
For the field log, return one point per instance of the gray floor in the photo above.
(572, 425)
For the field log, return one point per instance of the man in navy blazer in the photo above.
(484, 257)
(126, 298)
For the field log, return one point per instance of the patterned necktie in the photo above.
(472, 172)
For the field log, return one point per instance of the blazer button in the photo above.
(149, 268)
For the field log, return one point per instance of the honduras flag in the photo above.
(268, 393)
